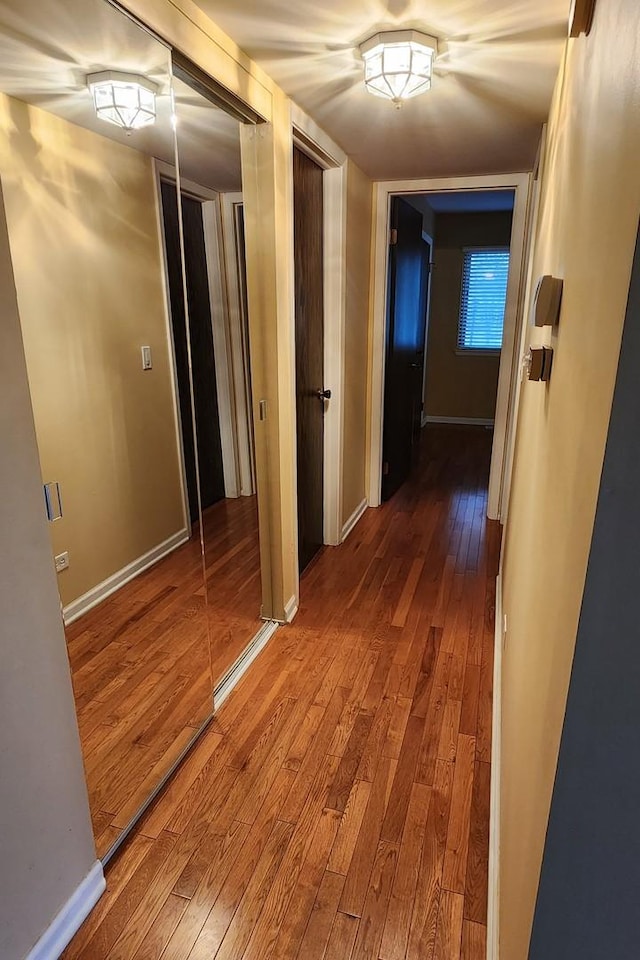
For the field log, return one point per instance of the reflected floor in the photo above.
(140, 661)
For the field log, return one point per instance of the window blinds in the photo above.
(484, 294)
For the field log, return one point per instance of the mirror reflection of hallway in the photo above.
(142, 582)
(205, 359)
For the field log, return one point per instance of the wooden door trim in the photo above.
(514, 319)
(309, 138)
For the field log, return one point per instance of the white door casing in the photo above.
(509, 357)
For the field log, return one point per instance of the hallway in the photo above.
(338, 805)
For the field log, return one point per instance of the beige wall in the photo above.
(588, 220)
(81, 212)
(359, 204)
(455, 385)
(46, 844)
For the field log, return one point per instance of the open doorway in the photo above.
(465, 322)
(448, 271)
(472, 241)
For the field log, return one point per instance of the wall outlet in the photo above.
(62, 561)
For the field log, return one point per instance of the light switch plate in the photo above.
(147, 359)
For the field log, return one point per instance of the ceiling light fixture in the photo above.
(125, 99)
(398, 64)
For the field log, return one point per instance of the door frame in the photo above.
(186, 512)
(428, 239)
(218, 303)
(312, 141)
(510, 355)
(240, 363)
(527, 306)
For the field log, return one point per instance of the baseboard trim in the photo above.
(97, 594)
(290, 609)
(469, 421)
(353, 519)
(493, 907)
(69, 920)
(244, 661)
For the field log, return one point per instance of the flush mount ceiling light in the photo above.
(398, 64)
(125, 99)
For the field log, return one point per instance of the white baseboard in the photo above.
(69, 920)
(353, 519)
(470, 421)
(97, 594)
(290, 609)
(493, 911)
(244, 661)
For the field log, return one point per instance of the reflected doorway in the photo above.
(193, 349)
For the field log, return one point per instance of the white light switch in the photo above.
(147, 361)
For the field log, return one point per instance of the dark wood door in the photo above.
(409, 258)
(202, 355)
(309, 306)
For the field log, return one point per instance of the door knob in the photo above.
(323, 394)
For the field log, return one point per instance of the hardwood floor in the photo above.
(337, 808)
(144, 661)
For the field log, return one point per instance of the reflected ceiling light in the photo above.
(398, 64)
(125, 99)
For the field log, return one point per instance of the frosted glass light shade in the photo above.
(398, 64)
(125, 99)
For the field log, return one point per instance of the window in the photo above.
(484, 294)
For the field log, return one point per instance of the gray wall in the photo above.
(46, 844)
(588, 899)
(420, 202)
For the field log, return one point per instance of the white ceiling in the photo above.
(47, 48)
(495, 72)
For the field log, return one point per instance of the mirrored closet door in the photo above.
(214, 256)
(86, 121)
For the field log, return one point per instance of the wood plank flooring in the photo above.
(337, 807)
(144, 661)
